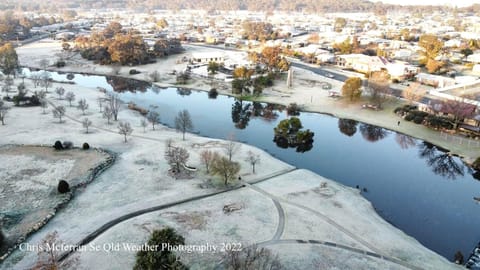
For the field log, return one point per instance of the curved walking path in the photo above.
(340, 246)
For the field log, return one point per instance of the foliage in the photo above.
(347, 126)
(59, 112)
(63, 187)
(476, 164)
(183, 77)
(67, 145)
(351, 88)
(293, 109)
(49, 254)
(82, 105)
(413, 93)
(225, 168)
(344, 47)
(213, 67)
(288, 133)
(70, 97)
(183, 122)
(60, 91)
(432, 47)
(262, 31)
(161, 258)
(176, 157)
(213, 93)
(439, 122)
(207, 157)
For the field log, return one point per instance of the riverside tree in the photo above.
(114, 105)
(207, 157)
(183, 122)
(82, 105)
(60, 91)
(86, 124)
(351, 88)
(231, 147)
(70, 97)
(153, 117)
(8, 59)
(253, 159)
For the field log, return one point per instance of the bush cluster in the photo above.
(213, 93)
(58, 145)
(85, 146)
(133, 71)
(67, 145)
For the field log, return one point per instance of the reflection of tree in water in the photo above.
(243, 111)
(372, 133)
(241, 114)
(476, 175)
(441, 162)
(184, 91)
(405, 141)
(288, 133)
(347, 126)
(120, 84)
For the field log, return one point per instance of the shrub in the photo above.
(85, 146)
(63, 187)
(409, 117)
(133, 71)
(476, 164)
(293, 109)
(399, 110)
(418, 119)
(419, 113)
(58, 145)
(67, 145)
(439, 122)
(60, 63)
(213, 93)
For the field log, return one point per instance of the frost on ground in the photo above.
(29, 176)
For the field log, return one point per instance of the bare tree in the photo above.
(176, 157)
(44, 104)
(153, 118)
(3, 112)
(231, 147)
(144, 124)
(46, 80)
(59, 112)
(116, 68)
(183, 122)
(107, 113)
(225, 168)
(86, 123)
(70, 96)
(7, 84)
(125, 129)
(36, 78)
(413, 93)
(82, 105)
(48, 256)
(114, 105)
(253, 159)
(60, 91)
(251, 258)
(43, 63)
(154, 76)
(100, 103)
(378, 88)
(207, 157)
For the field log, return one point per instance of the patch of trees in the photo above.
(161, 258)
(441, 161)
(243, 111)
(252, 258)
(351, 88)
(8, 59)
(288, 133)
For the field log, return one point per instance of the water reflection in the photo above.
(347, 126)
(120, 84)
(241, 113)
(372, 133)
(405, 141)
(184, 91)
(441, 162)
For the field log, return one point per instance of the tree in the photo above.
(225, 168)
(183, 122)
(3, 112)
(378, 88)
(231, 147)
(45, 80)
(339, 24)
(413, 93)
(252, 258)
(59, 112)
(351, 88)
(114, 105)
(207, 157)
(161, 258)
(60, 91)
(70, 96)
(176, 157)
(7, 86)
(431, 48)
(344, 47)
(162, 23)
(144, 124)
(459, 110)
(154, 76)
(44, 104)
(153, 118)
(124, 129)
(253, 159)
(49, 254)
(86, 123)
(82, 105)
(108, 114)
(8, 59)
(43, 63)
(213, 67)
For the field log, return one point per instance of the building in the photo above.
(206, 57)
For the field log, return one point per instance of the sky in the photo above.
(458, 3)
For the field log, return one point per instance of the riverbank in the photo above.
(306, 91)
(288, 204)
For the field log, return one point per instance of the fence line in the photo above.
(460, 140)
